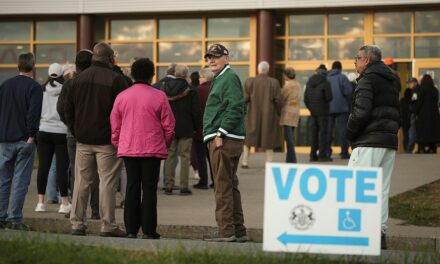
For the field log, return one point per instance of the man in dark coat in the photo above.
(317, 99)
(374, 120)
(262, 97)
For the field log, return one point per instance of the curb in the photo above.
(62, 226)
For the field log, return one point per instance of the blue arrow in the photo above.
(323, 240)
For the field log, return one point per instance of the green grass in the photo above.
(420, 206)
(38, 251)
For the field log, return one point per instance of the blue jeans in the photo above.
(289, 136)
(16, 162)
(52, 186)
(411, 135)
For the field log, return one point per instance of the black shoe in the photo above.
(383, 241)
(79, 232)
(325, 159)
(151, 236)
(3, 224)
(18, 226)
(313, 159)
(185, 191)
(168, 191)
(241, 236)
(132, 236)
(200, 186)
(217, 237)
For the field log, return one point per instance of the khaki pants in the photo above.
(89, 159)
(224, 162)
(184, 146)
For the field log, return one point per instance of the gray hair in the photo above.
(171, 70)
(181, 71)
(206, 73)
(263, 67)
(373, 52)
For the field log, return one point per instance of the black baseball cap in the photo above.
(217, 50)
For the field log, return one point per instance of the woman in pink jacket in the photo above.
(142, 129)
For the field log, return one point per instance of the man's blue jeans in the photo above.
(52, 185)
(16, 162)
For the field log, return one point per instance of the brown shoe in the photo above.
(114, 233)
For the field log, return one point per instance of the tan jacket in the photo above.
(290, 103)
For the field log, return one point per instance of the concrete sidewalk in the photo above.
(191, 216)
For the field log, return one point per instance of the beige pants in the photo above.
(90, 158)
(184, 146)
(245, 159)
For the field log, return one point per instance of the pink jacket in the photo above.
(142, 122)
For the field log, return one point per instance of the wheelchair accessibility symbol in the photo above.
(349, 220)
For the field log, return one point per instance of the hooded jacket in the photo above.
(185, 104)
(318, 95)
(50, 119)
(374, 117)
(342, 91)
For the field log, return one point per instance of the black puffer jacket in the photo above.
(318, 95)
(374, 117)
(185, 104)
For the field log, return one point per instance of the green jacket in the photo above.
(225, 109)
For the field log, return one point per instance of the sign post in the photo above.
(322, 209)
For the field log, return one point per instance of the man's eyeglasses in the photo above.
(359, 58)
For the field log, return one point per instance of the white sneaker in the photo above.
(40, 207)
(196, 175)
(65, 208)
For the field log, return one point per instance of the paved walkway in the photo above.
(410, 172)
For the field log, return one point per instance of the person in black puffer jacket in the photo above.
(374, 120)
(317, 99)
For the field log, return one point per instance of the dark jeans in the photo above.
(142, 175)
(48, 144)
(409, 147)
(289, 136)
(405, 131)
(200, 149)
(340, 120)
(319, 134)
(94, 188)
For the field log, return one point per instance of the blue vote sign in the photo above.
(322, 209)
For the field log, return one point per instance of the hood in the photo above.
(176, 86)
(53, 90)
(334, 72)
(379, 68)
(316, 80)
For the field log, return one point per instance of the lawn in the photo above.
(420, 206)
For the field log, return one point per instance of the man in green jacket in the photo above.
(224, 133)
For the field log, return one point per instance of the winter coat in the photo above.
(89, 103)
(427, 115)
(185, 104)
(225, 110)
(406, 108)
(142, 122)
(50, 119)
(262, 97)
(342, 92)
(318, 95)
(374, 117)
(290, 103)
